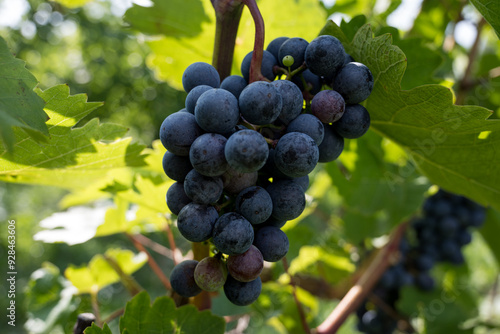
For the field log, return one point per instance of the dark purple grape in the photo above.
(325, 55)
(207, 154)
(272, 243)
(232, 234)
(176, 167)
(295, 47)
(296, 154)
(274, 46)
(193, 97)
(246, 267)
(234, 84)
(260, 103)
(182, 279)
(200, 73)
(217, 111)
(354, 82)
(202, 189)
(292, 100)
(328, 106)
(246, 151)
(178, 131)
(177, 198)
(242, 293)
(234, 182)
(354, 123)
(308, 124)
(196, 221)
(255, 204)
(331, 146)
(288, 199)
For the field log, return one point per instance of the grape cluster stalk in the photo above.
(438, 236)
(241, 153)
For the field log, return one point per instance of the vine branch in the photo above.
(365, 284)
(258, 47)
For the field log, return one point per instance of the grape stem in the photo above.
(357, 294)
(258, 47)
(300, 307)
(201, 250)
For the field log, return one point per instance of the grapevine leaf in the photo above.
(94, 329)
(377, 197)
(489, 9)
(73, 3)
(454, 146)
(20, 106)
(170, 55)
(74, 156)
(164, 317)
(99, 273)
(175, 18)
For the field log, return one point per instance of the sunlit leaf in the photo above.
(99, 273)
(489, 9)
(74, 156)
(20, 106)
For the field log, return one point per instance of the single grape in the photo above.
(242, 293)
(255, 204)
(260, 103)
(296, 154)
(464, 237)
(308, 124)
(193, 97)
(292, 100)
(210, 274)
(182, 279)
(302, 181)
(196, 221)
(325, 55)
(295, 47)
(177, 198)
(217, 111)
(273, 222)
(274, 46)
(354, 123)
(424, 262)
(176, 167)
(287, 61)
(288, 199)
(232, 234)
(200, 73)
(424, 281)
(247, 266)
(268, 62)
(234, 181)
(348, 59)
(331, 146)
(448, 226)
(354, 82)
(178, 131)
(207, 154)
(202, 189)
(272, 243)
(246, 151)
(328, 106)
(234, 84)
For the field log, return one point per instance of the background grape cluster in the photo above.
(241, 152)
(437, 236)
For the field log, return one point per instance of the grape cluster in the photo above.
(438, 236)
(241, 152)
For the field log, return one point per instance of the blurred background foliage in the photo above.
(91, 47)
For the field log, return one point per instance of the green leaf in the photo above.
(20, 106)
(454, 146)
(489, 9)
(49, 299)
(170, 55)
(381, 190)
(94, 329)
(74, 156)
(164, 317)
(176, 18)
(73, 3)
(99, 274)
